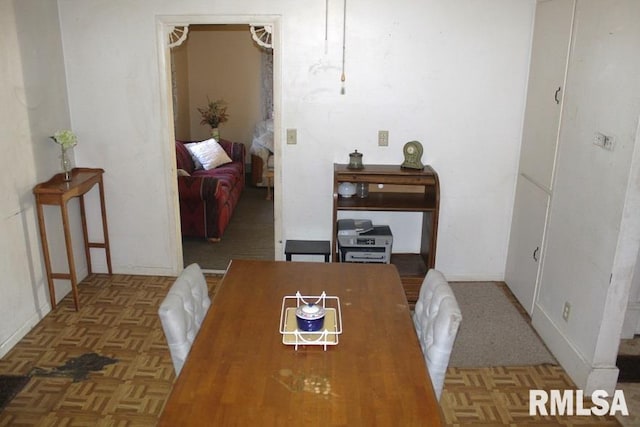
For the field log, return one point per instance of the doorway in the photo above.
(183, 122)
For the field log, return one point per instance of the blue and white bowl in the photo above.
(310, 317)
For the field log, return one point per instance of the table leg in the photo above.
(47, 258)
(269, 188)
(70, 260)
(85, 234)
(105, 231)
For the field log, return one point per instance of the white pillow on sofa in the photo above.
(209, 153)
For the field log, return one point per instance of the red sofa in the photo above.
(208, 197)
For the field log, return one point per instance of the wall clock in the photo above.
(412, 155)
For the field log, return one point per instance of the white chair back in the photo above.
(182, 312)
(436, 319)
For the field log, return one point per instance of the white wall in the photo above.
(33, 107)
(450, 74)
(224, 63)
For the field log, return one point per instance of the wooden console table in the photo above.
(58, 192)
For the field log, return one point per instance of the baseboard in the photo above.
(473, 277)
(584, 375)
(140, 270)
(21, 332)
(99, 266)
(214, 271)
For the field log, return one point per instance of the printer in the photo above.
(361, 241)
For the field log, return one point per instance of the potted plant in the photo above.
(213, 115)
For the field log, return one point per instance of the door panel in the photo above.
(525, 243)
(551, 38)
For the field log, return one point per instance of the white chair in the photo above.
(436, 319)
(182, 312)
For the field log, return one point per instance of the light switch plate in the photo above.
(383, 138)
(292, 136)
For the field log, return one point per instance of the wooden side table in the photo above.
(269, 175)
(58, 192)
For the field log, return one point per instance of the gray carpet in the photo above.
(248, 236)
(493, 332)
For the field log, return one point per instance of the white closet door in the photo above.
(551, 39)
(525, 245)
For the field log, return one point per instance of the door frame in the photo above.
(164, 25)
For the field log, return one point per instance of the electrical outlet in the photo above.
(383, 138)
(604, 141)
(292, 136)
(608, 143)
(566, 310)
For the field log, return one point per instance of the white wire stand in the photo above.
(332, 321)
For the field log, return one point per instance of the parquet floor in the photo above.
(118, 318)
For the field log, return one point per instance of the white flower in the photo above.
(65, 138)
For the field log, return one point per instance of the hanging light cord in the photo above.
(326, 26)
(344, 37)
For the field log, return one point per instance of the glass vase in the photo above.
(66, 165)
(215, 134)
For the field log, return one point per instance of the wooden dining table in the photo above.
(239, 371)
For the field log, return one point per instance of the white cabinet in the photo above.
(525, 245)
(549, 55)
